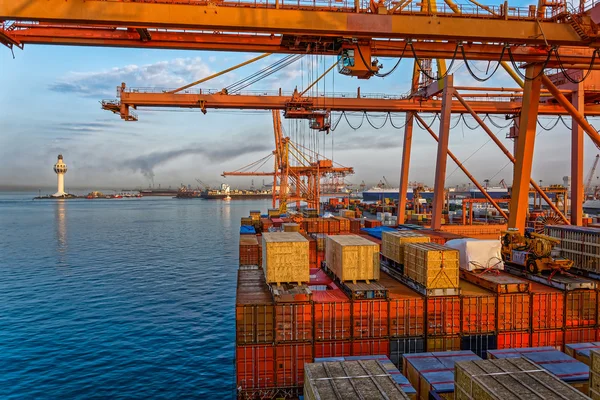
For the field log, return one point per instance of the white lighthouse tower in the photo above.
(61, 169)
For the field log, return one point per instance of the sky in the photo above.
(50, 104)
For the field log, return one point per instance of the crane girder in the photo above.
(512, 28)
(502, 106)
(54, 34)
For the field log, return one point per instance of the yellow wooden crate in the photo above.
(432, 265)
(291, 227)
(392, 245)
(285, 257)
(347, 213)
(352, 258)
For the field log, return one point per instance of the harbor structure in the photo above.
(61, 169)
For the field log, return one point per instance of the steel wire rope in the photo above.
(491, 119)
(524, 76)
(382, 125)
(566, 75)
(468, 126)
(241, 81)
(468, 158)
(546, 128)
(425, 73)
(269, 73)
(350, 125)
(464, 55)
(377, 74)
(398, 127)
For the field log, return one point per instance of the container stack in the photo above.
(407, 319)
(561, 365)
(351, 379)
(512, 306)
(432, 373)
(547, 316)
(580, 244)
(511, 378)
(595, 375)
(478, 319)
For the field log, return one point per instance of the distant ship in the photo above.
(379, 193)
(591, 206)
(223, 193)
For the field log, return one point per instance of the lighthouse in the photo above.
(61, 169)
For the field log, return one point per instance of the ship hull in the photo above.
(222, 196)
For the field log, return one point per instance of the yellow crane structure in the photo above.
(297, 171)
(540, 39)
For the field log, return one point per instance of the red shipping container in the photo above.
(293, 322)
(266, 224)
(249, 250)
(580, 335)
(320, 258)
(547, 308)
(355, 225)
(552, 337)
(336, 348)
(406, 308)
(513, 311)
(371, 347)
(277, 222)
(318, 277)
(332, 316)
(255, 366)
(372, 223)
(312, 252)
(370, 319)
(478, 309)
(443, 315)
(334, 226)
(513, 340)
(289, 363)
(580, 308)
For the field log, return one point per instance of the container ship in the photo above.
(225, 192)
(341, 290)
(380, 194)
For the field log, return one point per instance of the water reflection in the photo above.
(60, 214)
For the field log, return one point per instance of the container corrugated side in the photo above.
(254, 309)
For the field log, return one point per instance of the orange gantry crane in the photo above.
(297, 171)
(552, 34)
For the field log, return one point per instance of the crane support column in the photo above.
(406, 149)
(577, 159)
(442, 154)
(519, 203)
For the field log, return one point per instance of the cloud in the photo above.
(165, 74)
(213, 152)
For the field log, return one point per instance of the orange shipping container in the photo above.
(478, 309)
(443, 315)
(254, 308)
(580, 308)
(513, 340)
(406, 308)
(513, 311)
(580, 335)
(371, 347)
(289, 363)
(370, 319)
(255, 366)
(293, 322)
(547, 308)
(332, 317)
(333, 349)
(372, 223)
(552, 337)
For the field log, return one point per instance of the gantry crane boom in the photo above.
(342, 102)
(24, 33)
(501, 25)
(588, 182)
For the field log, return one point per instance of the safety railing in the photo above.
(414, 7)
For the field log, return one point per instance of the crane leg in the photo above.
(577, 160)
(406, 149)
(519, 203)
(442, 154)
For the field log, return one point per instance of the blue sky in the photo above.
(50, 105)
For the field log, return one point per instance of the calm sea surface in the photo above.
(130, 298)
